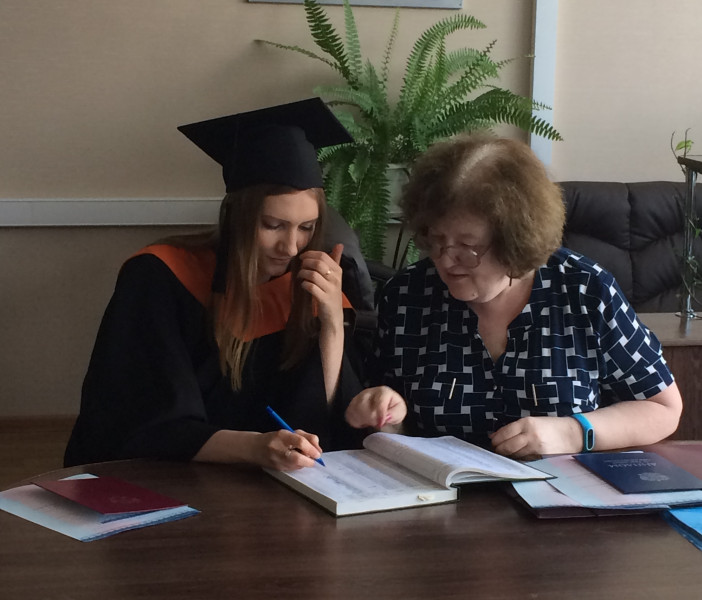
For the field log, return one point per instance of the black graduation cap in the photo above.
(270, 145)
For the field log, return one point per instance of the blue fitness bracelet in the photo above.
(588, 432)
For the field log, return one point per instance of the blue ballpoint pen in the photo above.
(284, 425)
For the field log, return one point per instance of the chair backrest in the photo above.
(357, 283)
(635, 231)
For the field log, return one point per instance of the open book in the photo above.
(397, 471)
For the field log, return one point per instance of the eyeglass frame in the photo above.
(436, 251)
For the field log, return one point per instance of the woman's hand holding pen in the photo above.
(287, 451)
(321, 277)
(376, 407)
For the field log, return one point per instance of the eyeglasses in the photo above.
(463, 254)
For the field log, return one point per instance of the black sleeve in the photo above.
(382, 360)
(350, 383)
(141, 396)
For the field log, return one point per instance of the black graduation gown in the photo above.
(154, 388)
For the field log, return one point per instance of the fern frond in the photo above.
(543, 128)
(385, 65)
(373, 199)
(371, 106)
(376, 231)
(495, 107)
(461, 59)
(353, 45)
(325, 36)
(481, 70)
(304, 51)
(421, 55)
(424, 104)
(329, 154)
(375, 88)
(463, 117)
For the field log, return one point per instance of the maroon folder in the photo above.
(109, 495)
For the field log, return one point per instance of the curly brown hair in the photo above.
(498, 179)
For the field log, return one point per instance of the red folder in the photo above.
(109, 495)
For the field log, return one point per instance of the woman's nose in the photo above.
(446, 257)
(289, 243)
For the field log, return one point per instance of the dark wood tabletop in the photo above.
(256, 538)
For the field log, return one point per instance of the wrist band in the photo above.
(588, 432)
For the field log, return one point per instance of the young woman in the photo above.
(204, 332)
(500, 336)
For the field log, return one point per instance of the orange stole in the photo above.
(195, 270)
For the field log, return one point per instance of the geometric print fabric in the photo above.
(575, 346)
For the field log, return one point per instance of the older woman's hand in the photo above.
(376, 407)
(532, 437)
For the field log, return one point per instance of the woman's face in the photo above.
(460, 249)
(285, 228)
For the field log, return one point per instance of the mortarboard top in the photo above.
(270, 145)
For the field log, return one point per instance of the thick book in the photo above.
(577, 491)
(395, 471)
(639, 472)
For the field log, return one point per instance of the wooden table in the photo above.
(257, 539)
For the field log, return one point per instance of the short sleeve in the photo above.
(634, 367)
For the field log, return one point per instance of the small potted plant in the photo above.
(443, 92)
(691, 276)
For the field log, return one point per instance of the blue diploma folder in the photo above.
(639, 472)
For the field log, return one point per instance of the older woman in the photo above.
(502, 336)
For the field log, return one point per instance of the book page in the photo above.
(361, 481)
(448, 460)
(541, 494)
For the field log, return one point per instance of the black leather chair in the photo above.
(361, 278)
(635, 231)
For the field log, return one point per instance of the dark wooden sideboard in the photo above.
(682, 349)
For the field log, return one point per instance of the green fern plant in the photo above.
(442, 93)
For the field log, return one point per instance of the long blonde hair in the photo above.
(235, 308)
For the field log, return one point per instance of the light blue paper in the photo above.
(580, 487)
(688, 522)
(49, 510)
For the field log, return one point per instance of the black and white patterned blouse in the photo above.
(576, 345)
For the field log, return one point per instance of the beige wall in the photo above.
(627, 76)
(91, 92)
(56, 282)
